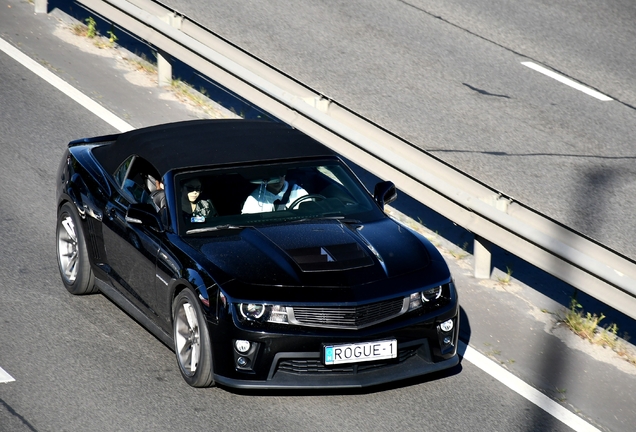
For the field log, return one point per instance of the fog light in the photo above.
(242, 362)
(446, 326)
(242, 346)
(447, 340)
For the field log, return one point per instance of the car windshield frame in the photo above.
(341, 195)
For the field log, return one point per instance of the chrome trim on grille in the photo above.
(347, 317)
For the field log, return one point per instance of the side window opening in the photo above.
(122, 172)
(136, 178)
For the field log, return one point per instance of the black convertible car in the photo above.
(256, 253)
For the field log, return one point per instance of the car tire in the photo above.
(72, 256)
(192, 340)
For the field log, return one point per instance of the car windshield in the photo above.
(230, 198)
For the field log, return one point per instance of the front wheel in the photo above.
(72, 257)
(192, 341)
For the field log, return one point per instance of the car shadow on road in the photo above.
(435, 376)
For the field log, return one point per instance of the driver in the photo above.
(194, 208)
(275, 194)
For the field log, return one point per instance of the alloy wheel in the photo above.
(187, 338)
(67, 249)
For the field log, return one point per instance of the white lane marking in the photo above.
(64, 87)
(567, 81)
(474, 357)
(522, 388)
(5, 377)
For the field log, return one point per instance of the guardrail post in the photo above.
(164, 65)
(41, 6)
(164, 69)
(483, 257)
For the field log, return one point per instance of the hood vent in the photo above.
(335, 257)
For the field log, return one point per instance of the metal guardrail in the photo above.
(489, 214)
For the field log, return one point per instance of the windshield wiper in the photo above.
(338, 218)
(215, 228)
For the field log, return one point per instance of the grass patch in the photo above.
(587, 326)
(583, 324)
(89, 30)
(505, 280)
(460, 254)
(197, 98)
(142, 64)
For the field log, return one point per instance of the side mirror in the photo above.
(384, 193)
(144, 214)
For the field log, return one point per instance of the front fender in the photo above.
(203, 286)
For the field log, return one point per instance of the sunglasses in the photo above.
(193, 188)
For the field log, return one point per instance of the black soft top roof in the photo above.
(209, 142)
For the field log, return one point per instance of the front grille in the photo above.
(349, 317)
(316, 367)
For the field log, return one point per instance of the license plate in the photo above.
(360, 352)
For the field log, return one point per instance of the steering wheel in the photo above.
(304, 198)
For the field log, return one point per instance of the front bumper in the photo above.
(355, 377)
(290, 358)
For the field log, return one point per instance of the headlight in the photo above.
(432, 294)
(415, 301)
(430, 298)
(277, 314)
(252, 310)
(263, 312)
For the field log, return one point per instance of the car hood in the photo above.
(317, 255)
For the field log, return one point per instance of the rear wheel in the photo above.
(191, 340)
(72, 257)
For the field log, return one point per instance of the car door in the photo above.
(131, 249)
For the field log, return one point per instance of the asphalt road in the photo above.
(447, 76)
(82, 364)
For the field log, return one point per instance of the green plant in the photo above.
(562, 392)
(91, 25)
(505, 280)
(609, 337)
(111, 36)
(586, 325)
(583, 325)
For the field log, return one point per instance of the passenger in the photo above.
(158, 196)
(275, 194)
(196, 210)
